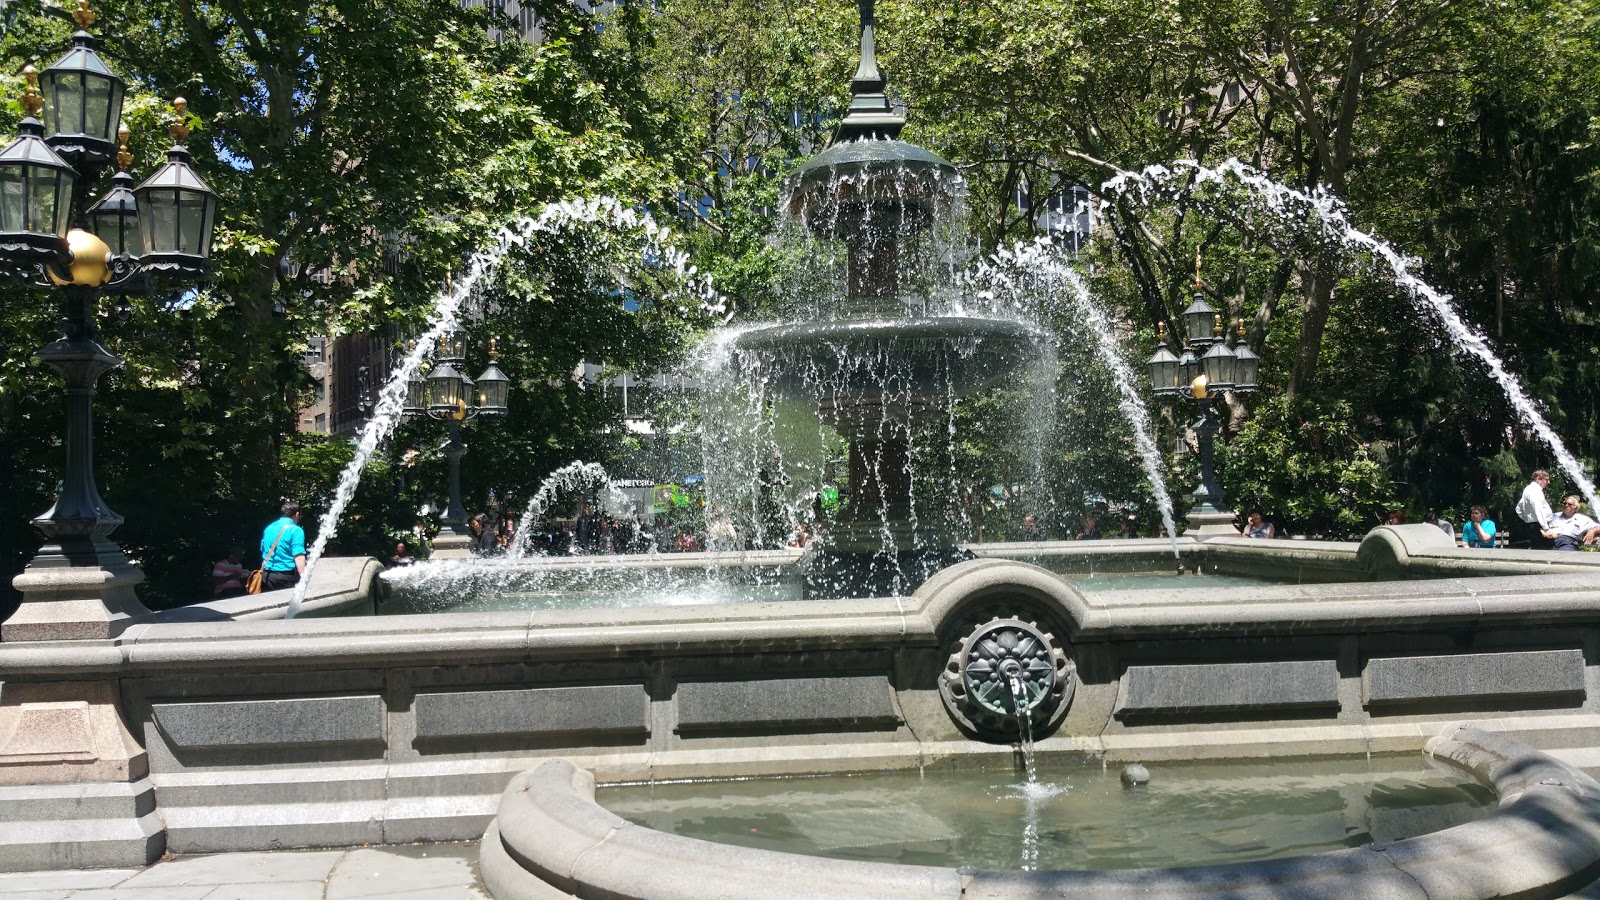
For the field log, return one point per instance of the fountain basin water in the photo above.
(1543, 840)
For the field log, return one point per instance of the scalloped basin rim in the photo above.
(853, 154)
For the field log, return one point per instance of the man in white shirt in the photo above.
(1572, 528)
(1534, 510)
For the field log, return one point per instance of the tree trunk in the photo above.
(1319, 302)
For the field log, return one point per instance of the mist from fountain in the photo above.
(1035, 272)
(574, 478)
(654, 249)
(1294, 209)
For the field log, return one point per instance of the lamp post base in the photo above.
(1211, 521)
(75, 589)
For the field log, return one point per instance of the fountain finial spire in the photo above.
(871, 115)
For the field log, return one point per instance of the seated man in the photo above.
(1479, 530)
(1570, 528)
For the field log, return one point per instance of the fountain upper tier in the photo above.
(872, 373)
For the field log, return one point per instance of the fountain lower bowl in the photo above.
(1543, 840)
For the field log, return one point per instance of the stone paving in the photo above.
(417, 872)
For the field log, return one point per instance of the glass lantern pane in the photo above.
(63, 204)
(66, 99)
(97, 107)
(207, 223)
(416, 394)
(42, 201)
(130, 239)
(191, 221)
(13, 200)
(160, 215)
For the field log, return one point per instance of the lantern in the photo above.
(35, 188)
(83, 98)
(493, 385)
(1188, 368)
(1163, 367)
(1246, 365)
(1217, 365)
(115, 219)
(444, 389)
(177, 211)
(1198, 320)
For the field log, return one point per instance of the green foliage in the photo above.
(1305, 467)
(338, 132)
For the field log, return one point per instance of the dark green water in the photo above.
(1074, 817)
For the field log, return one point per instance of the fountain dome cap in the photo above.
(870, 183)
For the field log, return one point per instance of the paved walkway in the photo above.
(418, 872)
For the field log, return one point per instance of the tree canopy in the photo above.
(362, 150)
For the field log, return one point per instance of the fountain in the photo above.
(881, 369)
(225, 727)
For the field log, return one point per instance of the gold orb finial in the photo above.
(179, 129)
(124, 158)
(1197, 269)
(1161, 332)
(1197, 387)
(32, 103)
(494, 351)
(83, 15)
(1241, 329)
(91, 260)
(1216, 327)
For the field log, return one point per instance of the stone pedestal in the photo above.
(74, 784)
(451, 543)
(1211, 522)
(69, 596)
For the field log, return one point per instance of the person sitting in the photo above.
(1569, 529)
(1130, 526)
(402, 555)
(1395, 517)
(1479, 530)
(227, 575)
(1255, 526)
(1089, 532)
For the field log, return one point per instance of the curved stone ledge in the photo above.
(551, 839)
(340, 586)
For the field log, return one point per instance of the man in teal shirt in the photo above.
(283, 550)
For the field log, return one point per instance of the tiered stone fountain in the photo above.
(878, 365)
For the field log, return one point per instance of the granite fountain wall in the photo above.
(263, 734)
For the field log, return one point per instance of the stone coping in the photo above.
(185, 639)
(551, 839)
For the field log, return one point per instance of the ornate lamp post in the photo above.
(80, 585)
(1207, 369)
(449, 396)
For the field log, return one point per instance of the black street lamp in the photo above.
(1207, 369)
(80, 585)
(449, 396)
